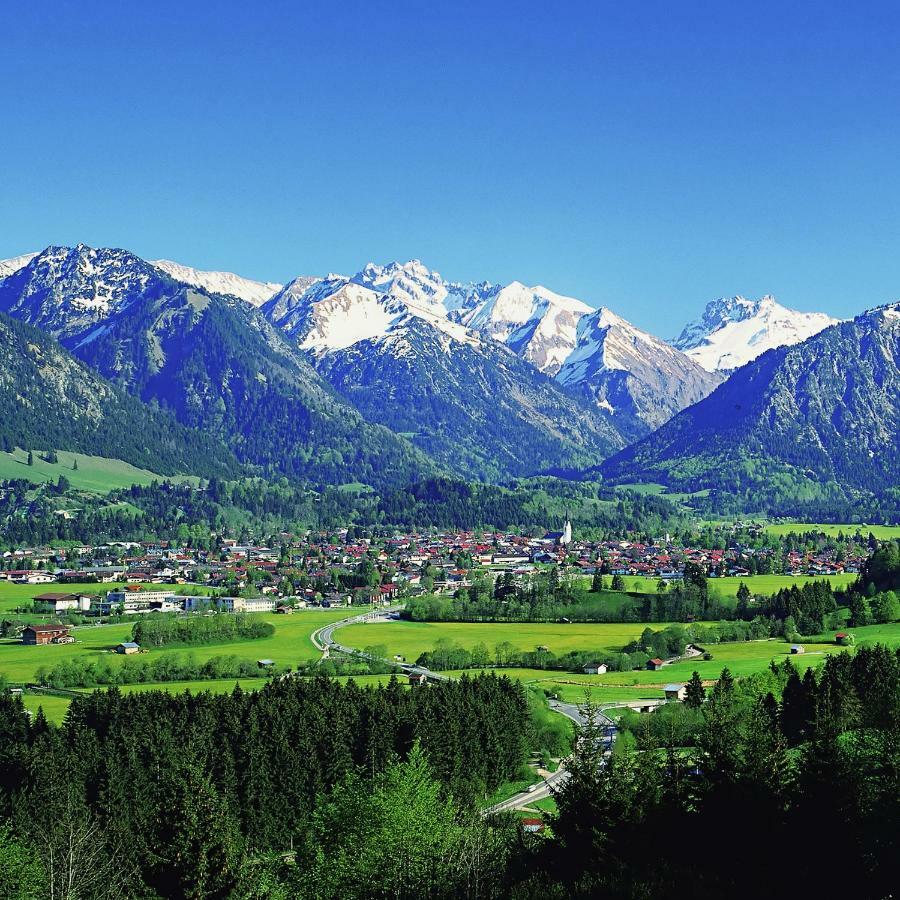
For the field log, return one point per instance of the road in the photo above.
(323, 639)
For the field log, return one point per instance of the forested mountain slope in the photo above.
(820, 417)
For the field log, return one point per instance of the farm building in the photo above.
(655, 664)
(47, 634)
(797, 649)
(595, 669)
(844, 639)
(675, 691)
(56, 602)
(533, 825)
(418, 678)
(128, 647)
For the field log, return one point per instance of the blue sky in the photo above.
(645, 156)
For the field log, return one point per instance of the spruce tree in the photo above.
(696, 693)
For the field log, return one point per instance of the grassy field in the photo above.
(742, 658)
(289, 645)
(13, 596)
(870, 634)
(881, 532)
(762, 585)
(95, 473)
(55, 708)
(409, 639)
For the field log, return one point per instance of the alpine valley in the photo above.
(394, 375)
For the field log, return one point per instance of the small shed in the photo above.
(797, 649)
(843, 638)
(265, 663)
(595, 668)
(418, 678)
(675, 691)
(128, 647)
(655, 664)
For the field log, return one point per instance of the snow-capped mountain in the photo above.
(819, 419)
(603, 361)
(210, 359)
(535, 323)
(637, 378)
(68, 291)
(14, 263)
(336, 312)
(734, 330)
(254, 292)
(387, 340)
(422, 287)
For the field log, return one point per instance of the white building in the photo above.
(132, 599)
(230, 604)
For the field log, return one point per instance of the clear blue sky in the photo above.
(648, 156)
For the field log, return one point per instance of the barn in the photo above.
(47, 634)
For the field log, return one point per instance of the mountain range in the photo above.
(395, 373)
(210, 359)
(819, 418)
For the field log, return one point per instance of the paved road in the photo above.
(324, 640)
(546, 787)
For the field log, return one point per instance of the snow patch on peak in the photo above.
(14, 263)
(735, 330)
(334, 313)
(536, 323)
(253, 292)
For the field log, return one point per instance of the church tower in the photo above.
(566, 537)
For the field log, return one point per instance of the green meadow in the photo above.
(409, 639)
(741, 657)
(289, 645)
(881, 532)
(95, 474)
(13, 596)
(763, 585)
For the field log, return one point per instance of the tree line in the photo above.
(218, 628)
(202, 795)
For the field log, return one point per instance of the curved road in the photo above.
(323, 639)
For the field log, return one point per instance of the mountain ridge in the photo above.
(733, 331)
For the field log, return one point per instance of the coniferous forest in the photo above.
(312, 789)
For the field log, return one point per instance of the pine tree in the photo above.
(30, 458)
(696, 693)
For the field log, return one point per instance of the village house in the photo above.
(128, 647)
(37, 635)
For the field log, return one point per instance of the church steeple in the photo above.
(567, 531)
